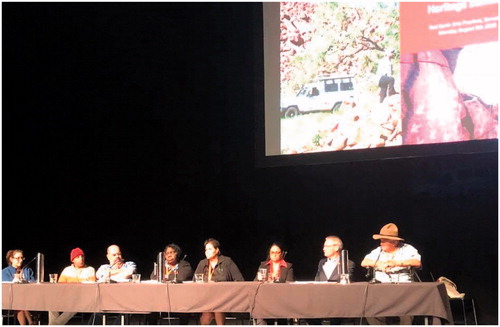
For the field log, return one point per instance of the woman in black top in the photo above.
(216, 268)
(174, 268)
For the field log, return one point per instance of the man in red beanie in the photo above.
(78, 272)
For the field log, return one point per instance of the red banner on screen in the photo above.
(446, 25)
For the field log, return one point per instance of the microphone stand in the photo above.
(21, 278)
(108, 280)
(176, 271)
(277, 280)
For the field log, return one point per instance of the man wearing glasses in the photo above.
(329, 271)
(329, 266)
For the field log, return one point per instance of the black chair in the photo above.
(463, 310)
(8, 317)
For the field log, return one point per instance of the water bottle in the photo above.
(40, 267)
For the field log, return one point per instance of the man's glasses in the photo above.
(18, 258)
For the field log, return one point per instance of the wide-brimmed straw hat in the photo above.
(390, 232)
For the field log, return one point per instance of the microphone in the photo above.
(108, 278)
(118, 260)
(176, 271)
(22, 279)
(26, 265)
(284, 254)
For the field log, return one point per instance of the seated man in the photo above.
(76, 273)
(328, 267)
(329, 270)
(392, 262)
(117, 270)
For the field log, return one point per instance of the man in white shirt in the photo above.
(393, 262)
(117, 270)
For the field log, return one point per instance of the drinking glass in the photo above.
(198, 278)
(262, 274)
(53, 278)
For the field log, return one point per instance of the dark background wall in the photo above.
(134, 124)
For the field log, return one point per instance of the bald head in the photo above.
(114, 254)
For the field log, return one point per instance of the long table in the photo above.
(260, 300)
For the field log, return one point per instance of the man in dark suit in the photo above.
(329, 270)
(329, 267)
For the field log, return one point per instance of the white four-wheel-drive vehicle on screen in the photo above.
(326, 93)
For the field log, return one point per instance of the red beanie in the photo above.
(75, 253)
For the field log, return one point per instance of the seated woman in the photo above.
(278, 270)
(15, 260)
(216, 268)
(175, 268)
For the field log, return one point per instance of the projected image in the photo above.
(339, 71)
(450, 72)
(346, 83)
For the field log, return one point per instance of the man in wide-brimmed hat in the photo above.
(392, 262)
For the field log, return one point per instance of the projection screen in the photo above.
(363, 80)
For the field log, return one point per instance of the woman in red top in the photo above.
(278, 270)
